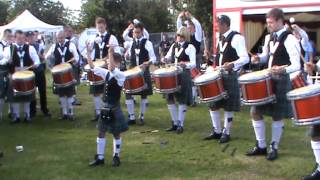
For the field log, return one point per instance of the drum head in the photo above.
(61, 68)
(254, 76)
(303, 92)
(133, 72)
(208, 76)
(23, 75)
(165, 71)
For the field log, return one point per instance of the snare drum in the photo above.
(134, 82)
(166, 80)
(210, 86)
(297, 80)
(256, 88)
(305, 104)
(94, 79)
(62, 75)
(23, 82)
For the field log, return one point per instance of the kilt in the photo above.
(4, 81)
(281, 108)
(315, 131)
(96, 89)
(118, 124)
(184, 95)
(19, 98)
(147, 79)
(231, 85)
(64, 91)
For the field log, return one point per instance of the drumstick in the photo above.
(71, 60)
(112, 45)
(250, 53)
(27, 68)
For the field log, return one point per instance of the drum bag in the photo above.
(107, 115)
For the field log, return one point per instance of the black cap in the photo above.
(223, 19)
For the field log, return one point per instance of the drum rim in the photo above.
(215, 98)
(95, 83)
(67, 68)
(262, 101)
(256, 78)
(253, 81)
(31, 76)
(130, 76)
(23, 93)
(165, 74)
(167, 91)
(205, 82)
(137, 90)
(301, 96)
(65, 84)
(306, 122)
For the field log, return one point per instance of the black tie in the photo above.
(102, 37)
(222, 39)
(20, 48)
(138, 43)
(274, 37)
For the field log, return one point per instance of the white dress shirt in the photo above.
(116, 73)
(198, 29)
(304, 39)
(72, 49)
(32, 53)
(126, 36)
(148, 46)
(239, 44)
(112, 41)
(190, 51)
(293, 49)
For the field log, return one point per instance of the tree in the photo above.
(4, 12)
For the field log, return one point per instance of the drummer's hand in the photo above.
(228, 66)
(309, 67)
(255, 59)
(277, 70)
(90, 62)
(164, 60)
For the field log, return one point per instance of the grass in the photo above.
(61, 150)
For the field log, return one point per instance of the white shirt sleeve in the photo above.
(149, 48)
(73, 50)
(264, 56)
(304, 39)
(1, 52)
(116, 73)
(198, 29)
(125, 35)
(239, 44)
(34, 55)
(6, 55)
(191, 52)
(169, 53)
(50, 51)
(293, 50)
(113, 41)
(145, 33)
(179, 22)
(318, 66)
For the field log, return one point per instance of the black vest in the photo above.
(27, 61)
(57, 55)
(303, 53)
(183, 56)
(195, 43)
(105, 49)
(112, 92)
(229, 54)
(143, 55)
(281, 56)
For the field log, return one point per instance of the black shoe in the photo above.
(27, 120)
(257, 151)
(273, 153)
(96, 118)
(224, 138)
(76, 102)
(141, 122)
(46, 114)
(16, 121)
(172, 128)
(179, 130)
(132, 122)
(116, 161)
(96, 162)
(64, 117)
(32, 115)
(315, 175)
(10, 115)
(213, 135)
(71, 118)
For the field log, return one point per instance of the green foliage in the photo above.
(4, 5)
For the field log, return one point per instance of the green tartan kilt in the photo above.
(118, 124)
(64, 91)
(4, 83)
(231, 86)
(315, 131)
(184, 95)
(281, 108)
(147, 80)
(96, 89)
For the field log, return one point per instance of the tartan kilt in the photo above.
(184, 95)
(64, 91)
(280, 109)
(231, 86)
(315, 131)
(96, 89)
(4, 83)
(19, 98)
(118, 125)
(147, 80)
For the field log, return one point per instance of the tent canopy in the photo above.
(28, 22)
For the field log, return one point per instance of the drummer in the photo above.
(315, 131)
(183, 54)
(4, 69)
(281, 55)
(102, 42)
(141, 54)
(62, 52)
(232, 55)
(20, 56)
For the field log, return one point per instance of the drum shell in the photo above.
(94, 79)
(134, 83)
(23, 86)
(166, 83)
(298, 81)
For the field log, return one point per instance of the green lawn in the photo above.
(61, 150)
